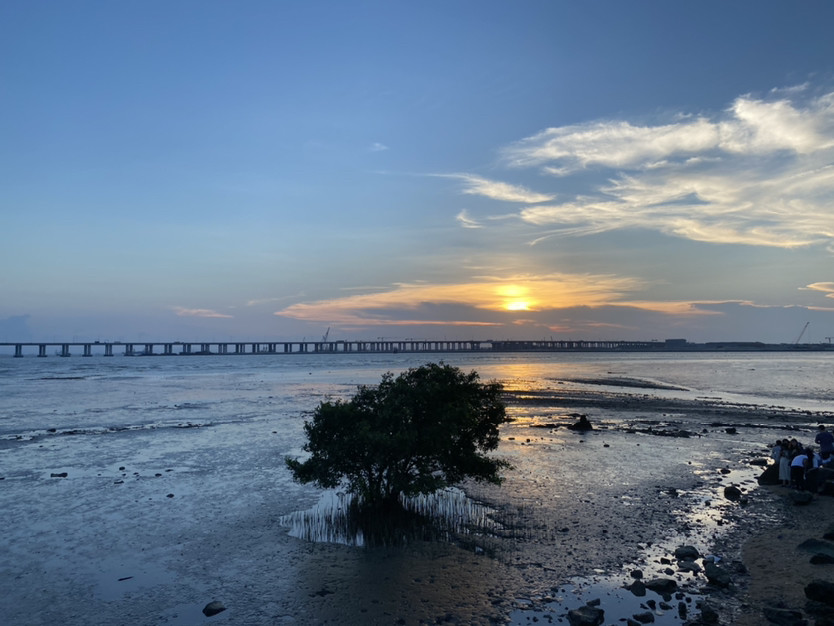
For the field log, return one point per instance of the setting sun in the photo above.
(518, 306)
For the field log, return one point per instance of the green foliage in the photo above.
(428, 428)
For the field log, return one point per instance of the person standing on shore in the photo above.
(781, 457)
(825, 440)
(799, 464)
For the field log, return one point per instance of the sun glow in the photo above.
(518, 306)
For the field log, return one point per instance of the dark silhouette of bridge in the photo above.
(196, 348)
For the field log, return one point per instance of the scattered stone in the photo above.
(817, 546)
(687, 553)
(637, 588)
(820, 591)
(644, 618)
(822, 559)
(708, 614)
(783, 617)
(730, 431)
(800, 498)
(732, 493)
(662, 585)
(759, 462)
(637, 574)
(586, 616)
(61, 475)
(682, 610)
(716, 575)
(170, 495)
(582, 425)
(689, 566)
(213, 608)
(829, 533)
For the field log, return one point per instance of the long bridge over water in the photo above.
(195, 348)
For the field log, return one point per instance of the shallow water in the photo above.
(107, 544)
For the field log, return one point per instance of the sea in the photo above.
(140, 486)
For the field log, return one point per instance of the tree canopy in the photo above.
(428, 428)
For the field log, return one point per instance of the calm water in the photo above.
(136, 392)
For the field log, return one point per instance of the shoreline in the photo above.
(779, 567)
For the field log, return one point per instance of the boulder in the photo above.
(213, 608)
(582, 425)
(586, 616)
(644, 618)
(733, 493)
(716, 575)
(662, 585)
(687, 553)
(801, 498)
(770, 476)
(783, 617)
(820, 591)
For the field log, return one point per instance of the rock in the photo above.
(717, 575)
(708, 614)
(829, 533)
(822, 559)
(687, 553)
(586, 616)
(770, 476)
(637, 588)
(644, 618)
(61, 475)
(783, 617)
(820, 591)
(732, 493)
(662, 585)
(817, 546)
(760, 462)
(730, 430)
(582, 425)
(800, 498)
(213, 608)
(689, 566)
(637, 574)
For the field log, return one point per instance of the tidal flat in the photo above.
(151, 523)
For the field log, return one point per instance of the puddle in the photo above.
(608, 595)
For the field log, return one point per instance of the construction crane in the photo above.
(804, 328)
(325, 335)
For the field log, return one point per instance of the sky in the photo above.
(269, 170)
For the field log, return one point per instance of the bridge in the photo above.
(196, 348)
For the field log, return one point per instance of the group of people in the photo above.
(803, 468)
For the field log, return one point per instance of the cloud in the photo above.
(826, 288)
(466, 221)
(759, 173)
(496, 190)
(184, 312)
(378, 147)
(509, 296)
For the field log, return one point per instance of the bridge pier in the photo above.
(108, 349)
(41, 349)
(88, 350)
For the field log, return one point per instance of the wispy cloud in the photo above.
(185, 312)
(760, 173)
(826, 288)
(378, 147)
(511, 295)
(466, 221)
(497, 190)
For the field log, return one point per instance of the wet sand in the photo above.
(579, 512)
